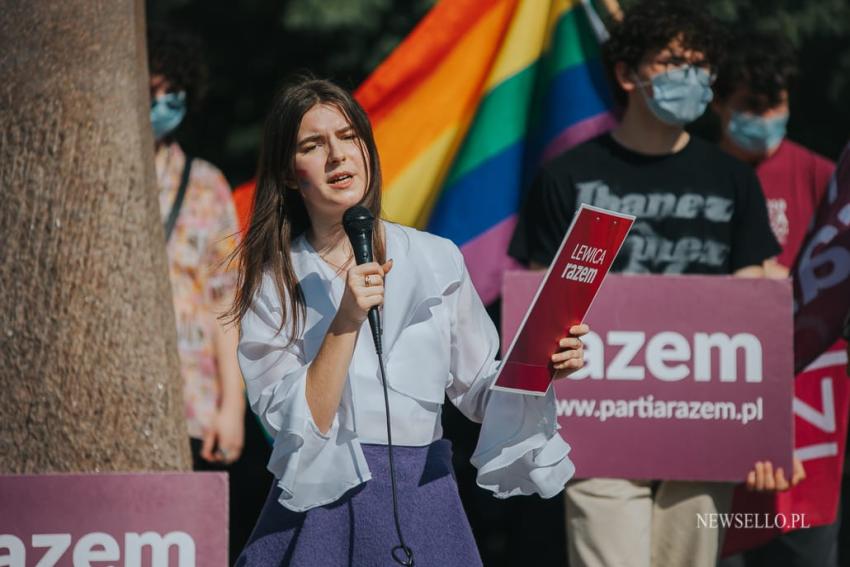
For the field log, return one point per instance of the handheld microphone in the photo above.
(357, 222)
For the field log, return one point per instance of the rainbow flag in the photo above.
(470, 103)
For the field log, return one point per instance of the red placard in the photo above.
(563, 298)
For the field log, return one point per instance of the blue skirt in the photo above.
(359, 530)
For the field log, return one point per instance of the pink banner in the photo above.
(822, 272)
(685, 378)
(135, 520)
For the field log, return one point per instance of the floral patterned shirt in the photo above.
(202, 240)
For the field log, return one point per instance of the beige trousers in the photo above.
(635, 523)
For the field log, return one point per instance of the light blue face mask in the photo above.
(167, 111)
(756, 134)
(679, 96)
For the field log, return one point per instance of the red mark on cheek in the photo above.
(301, 173)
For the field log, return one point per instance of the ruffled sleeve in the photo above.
(312, 468)
(519, 450)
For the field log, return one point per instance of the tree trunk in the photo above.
(88, 358)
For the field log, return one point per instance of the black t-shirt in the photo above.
(699, 211)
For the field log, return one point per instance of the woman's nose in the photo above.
(335, 151)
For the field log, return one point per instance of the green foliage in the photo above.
(370, 28)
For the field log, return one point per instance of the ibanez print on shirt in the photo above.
(647, 250)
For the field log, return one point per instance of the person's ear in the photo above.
(625, 77)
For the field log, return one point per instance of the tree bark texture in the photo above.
(89, 376)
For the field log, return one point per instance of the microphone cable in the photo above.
(401, 548)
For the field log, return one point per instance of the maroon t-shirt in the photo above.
(793, 179)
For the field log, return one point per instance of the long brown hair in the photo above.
(279, 216)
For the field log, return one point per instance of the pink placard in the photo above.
(685, 378)
(141, 520)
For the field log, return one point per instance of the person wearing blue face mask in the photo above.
(699, 211)
(752, 104)
(200, 224)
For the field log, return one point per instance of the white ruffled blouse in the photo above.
(438, 341)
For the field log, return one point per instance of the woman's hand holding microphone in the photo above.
(364, 289)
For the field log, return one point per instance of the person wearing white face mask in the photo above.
(698, 211)
(752, 105)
